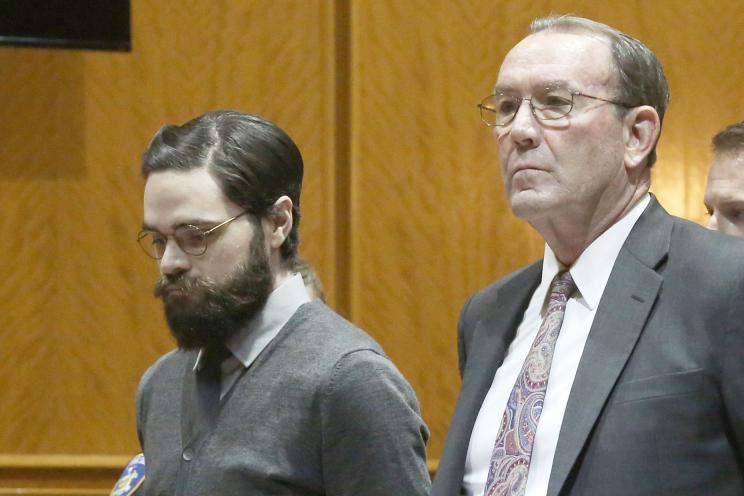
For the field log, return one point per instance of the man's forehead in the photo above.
(557, 58)
(725, 182)
(553, 38)
(721, 192)
(728, 165)
(173, 196)
(198, 182)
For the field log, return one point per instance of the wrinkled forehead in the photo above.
(581, 61)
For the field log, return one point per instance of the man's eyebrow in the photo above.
(193, 222)
(730, 202)
(503, 89)
(555, 84)
(552, 84)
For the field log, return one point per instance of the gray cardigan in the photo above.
(322, 411)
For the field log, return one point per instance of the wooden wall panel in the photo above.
(428, 212)
(59, 475)
(80, 325)
(401, 234)
(430, 224)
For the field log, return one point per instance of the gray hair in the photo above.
(640, 77)
(729, 139)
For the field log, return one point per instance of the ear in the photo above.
(280, 222)
(641, 131)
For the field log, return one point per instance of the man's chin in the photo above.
(191, 334)
(182, 306)
(528, 204)
(194, 329)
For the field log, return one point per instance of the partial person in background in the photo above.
(268, 392)
(311, 279)
(724, 193)
(131, 479)
(613, 366)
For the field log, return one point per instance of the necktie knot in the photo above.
(212, 358)
(209, 380)
(562, 284)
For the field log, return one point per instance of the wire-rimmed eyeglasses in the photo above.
(500, 109)
(190, 239)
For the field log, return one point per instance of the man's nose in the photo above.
(174, 259)
(524, 127)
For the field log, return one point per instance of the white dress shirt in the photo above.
(590, 272)
(250, 341)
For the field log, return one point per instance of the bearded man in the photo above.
(268, 391)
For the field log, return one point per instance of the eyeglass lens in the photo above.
(547, 104)
(190, 239)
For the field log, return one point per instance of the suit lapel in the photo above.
(491, 339)
(628, 299)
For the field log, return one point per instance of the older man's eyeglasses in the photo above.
(190, 239)
(546, 105)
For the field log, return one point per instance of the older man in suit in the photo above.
(614, 365)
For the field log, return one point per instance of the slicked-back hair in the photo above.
(254, 161)
(640, 76)
(730, 139)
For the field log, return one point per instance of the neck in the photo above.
(570, 233)
(279, 277)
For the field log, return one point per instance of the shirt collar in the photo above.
(591, 271)
(251, 340)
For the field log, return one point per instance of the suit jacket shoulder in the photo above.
(507, 293)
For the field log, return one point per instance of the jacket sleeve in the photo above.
(374, 439)
(142, 403)
(732, 372)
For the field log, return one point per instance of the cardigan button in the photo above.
(188, 454)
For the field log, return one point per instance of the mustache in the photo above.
(180, 283)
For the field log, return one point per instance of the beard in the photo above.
(202, 314)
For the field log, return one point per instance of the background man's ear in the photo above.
(641, 132)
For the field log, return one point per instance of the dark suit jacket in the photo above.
(657, 406)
